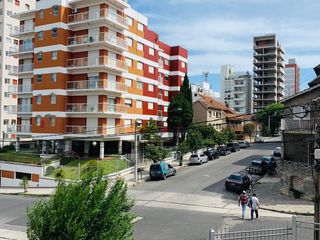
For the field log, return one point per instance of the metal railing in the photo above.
(22, 29)
(95, 108)
(100, 38)
(20, 108)
(25, 68)
(25, 88)
(101, 130)
(102, 13)
(299, 125)
(99, 61)
(97, 84)
(19, 128)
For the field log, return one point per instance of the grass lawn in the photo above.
(20, 157)
(108, 166)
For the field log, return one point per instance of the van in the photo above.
(161, 170)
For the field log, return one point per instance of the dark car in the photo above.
(238, 182)
(277, 152)
(223, 151)
(247, 144)
(161, 170)
(211, 154)
(233, 147)
(264, 164)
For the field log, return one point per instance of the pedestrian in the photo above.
(254, 205)
(243, 200)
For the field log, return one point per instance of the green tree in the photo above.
(155, 153)
(59, 174)
(195, 139)
(270, 117)
(229, 134)
(150, 131)
(92, 208)
(180, 110)
(220, 138)
(249, 129)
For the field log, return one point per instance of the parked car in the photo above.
(198, 159)
(211, 154)
(223, 150)
(161, 170)
(263, 165)
(233, 147)
(242, 144)
(277, 152)
(247, 144)
(238, 182)
(258, 139)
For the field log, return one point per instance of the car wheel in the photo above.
(164, 177)
(174, 173)
(200, 162)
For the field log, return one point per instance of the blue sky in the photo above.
(218, 32)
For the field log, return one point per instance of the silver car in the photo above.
(198, 159)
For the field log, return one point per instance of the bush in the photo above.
(92, 166)
(297, 194)
(50, 170)
(7, 148)
(66, 158)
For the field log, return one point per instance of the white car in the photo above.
(198, 159)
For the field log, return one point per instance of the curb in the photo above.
(287, 212)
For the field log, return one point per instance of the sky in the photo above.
(218, 32)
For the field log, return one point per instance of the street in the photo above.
(182, 207)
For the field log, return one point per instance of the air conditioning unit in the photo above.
(74, 10)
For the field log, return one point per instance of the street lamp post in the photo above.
(135, 151)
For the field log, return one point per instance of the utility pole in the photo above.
(135, 151)
(269, 124)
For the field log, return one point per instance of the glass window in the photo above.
(40, 35)
(54, 55)
(150, 106)
(140, 46)
(128, 82)
(38, 120)
(151, 51)
(150, 87)
(55, 10)
(54, 32)
(38, 99)
(52, 120)
(139, 85)
(53, 98)
(138, 104)
(140, 65)
(151, 69)
(128, 102)
(129, 62)
(130, 21)
(129, 41)
(39, 78)
(127, 122)
(53, 77)
(140, 26)
(40, 56)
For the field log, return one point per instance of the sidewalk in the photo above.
(12, 235)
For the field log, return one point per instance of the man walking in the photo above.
(254, 202)
(243, 200)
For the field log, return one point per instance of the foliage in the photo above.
(249, 129)
(183, 147)
(24, 184)
(151, 131)
(195, 139)
(20, 157)
(59, 174)
(273, 112)
(155, 153)
(89, 209)
(65, 158)
(180, 110)
(7, 148)
(229, 134)
(50, 170)
(220, 138)
(92, 166)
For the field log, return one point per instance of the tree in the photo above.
(183, 148)
(59, 174)
(24, 184)
(229, 134)
(249, 129)
(155, 153)
(194, 139)
(150, 131)
(180, 110)
(270, 117)
(89, 209)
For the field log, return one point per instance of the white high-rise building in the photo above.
(236, 89)
(9, 63)
(292, 76)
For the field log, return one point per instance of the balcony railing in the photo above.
(22, 68)
(95, 108)
(84, 130)
(97, 84)
(102, 13)
(20, 108)
(299, 125)
(100, 38)
(25, 88)
(22, 29)
(19, 128)
(100, 61)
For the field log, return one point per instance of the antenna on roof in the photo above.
(206, 74)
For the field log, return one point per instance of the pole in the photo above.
(269, 125)
(3, 135)
(135, 152)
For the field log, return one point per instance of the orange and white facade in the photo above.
(95, 69)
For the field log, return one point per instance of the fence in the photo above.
(298, 229)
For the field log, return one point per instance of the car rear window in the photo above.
(155, 167)
(235, 177)
(194, 155)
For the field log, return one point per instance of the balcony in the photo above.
(22, 29)
(19, 129)
(20, 109)
(101, 15)
(25, 89)
(22, 49)
(295, 125)
(101, 108)
(22, 69)
(119, 3)
(102, 38)
(96, 85)
(99, 62)
(264, 46)
(84, 130)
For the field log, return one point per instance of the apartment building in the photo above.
(292, 76)
(8, 62)
(236, 89)
(96, 71)
(268, 71)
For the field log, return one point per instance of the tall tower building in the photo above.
(9, 63)
(236, 89)
(292, 77)
(96, 72)
(268, 71)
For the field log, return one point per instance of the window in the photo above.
(151, 69)
(139, 85)
(41, 14)
(6, 121)
(130, 21)
(40, 35)
(128, 102)
(54, 32)
(151, 51)
(21, 175)
(150, 106)
(140, 46)
(138, 104)
(6, 94)
(129, 41)
(165, 109)
(54, 55)
(38, 99)
(55, 10)
(150, 88)
(210, 114)
(40, 56)
(53, 77)
(127, 122)
(128, 82)
(183, 64)
(140, 65)
(166, 61)
(7, 81)
(140, 26)
(53, 98)
(166, 93)
(129, 62)
(38, 120)
(52, 121)
(39, 78)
